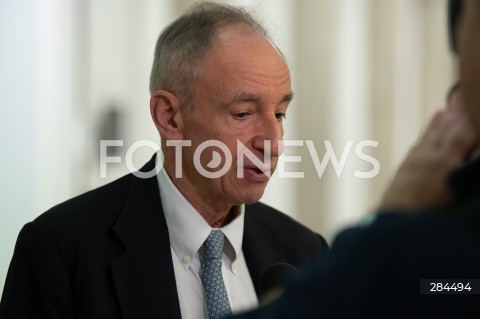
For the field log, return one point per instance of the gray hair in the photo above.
(182, 45)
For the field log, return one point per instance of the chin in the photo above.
(253, 197)
(246, 193)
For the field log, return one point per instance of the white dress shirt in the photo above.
(188, 231)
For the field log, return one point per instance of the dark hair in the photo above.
(454, 10)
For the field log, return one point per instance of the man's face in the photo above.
(469, 54)
(241, 94)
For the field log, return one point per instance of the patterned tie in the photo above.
(217, 299)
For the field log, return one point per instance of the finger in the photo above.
(444, 122)
(460, 139)
(456, 103)
(444, 118)
(460, 136)
(440, 126)
(433, 128)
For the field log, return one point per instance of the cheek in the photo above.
(469, 56)
(473, 109)
(471, 89)
(470, 79)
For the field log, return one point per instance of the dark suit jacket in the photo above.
(106, 254)
(376, 271)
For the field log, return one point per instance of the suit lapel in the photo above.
(259, 247)
(143, 276)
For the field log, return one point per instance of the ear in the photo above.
(164, 108)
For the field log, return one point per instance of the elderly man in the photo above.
(423, 261)
(185, 243)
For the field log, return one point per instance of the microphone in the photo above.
(273, 279)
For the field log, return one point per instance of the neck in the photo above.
(217, 212)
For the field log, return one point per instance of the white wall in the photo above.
(38, 132)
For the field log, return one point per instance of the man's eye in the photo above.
(241, 115)
(280, 116)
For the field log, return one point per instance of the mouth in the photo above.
(256, 173)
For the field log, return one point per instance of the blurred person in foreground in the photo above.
(419, 256)
(135, 247)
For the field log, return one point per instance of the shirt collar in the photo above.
(234, 234)
(186, 227)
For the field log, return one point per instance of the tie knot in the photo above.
(214, 245)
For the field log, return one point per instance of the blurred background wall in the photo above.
(73, 72)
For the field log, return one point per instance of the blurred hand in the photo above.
(421, 180)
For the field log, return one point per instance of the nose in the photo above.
(269, 135)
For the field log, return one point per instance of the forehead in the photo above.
(240, 59)
(241, 47)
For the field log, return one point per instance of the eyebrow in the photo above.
(243, 96)
(287, 98)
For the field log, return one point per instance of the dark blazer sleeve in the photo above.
(375, 272)
(37, 284)
(103, 254)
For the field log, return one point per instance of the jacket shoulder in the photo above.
(95, 210)
(284, 227)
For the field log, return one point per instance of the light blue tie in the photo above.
(217, 299)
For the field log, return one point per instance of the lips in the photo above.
(259, 169)
(256, 174)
